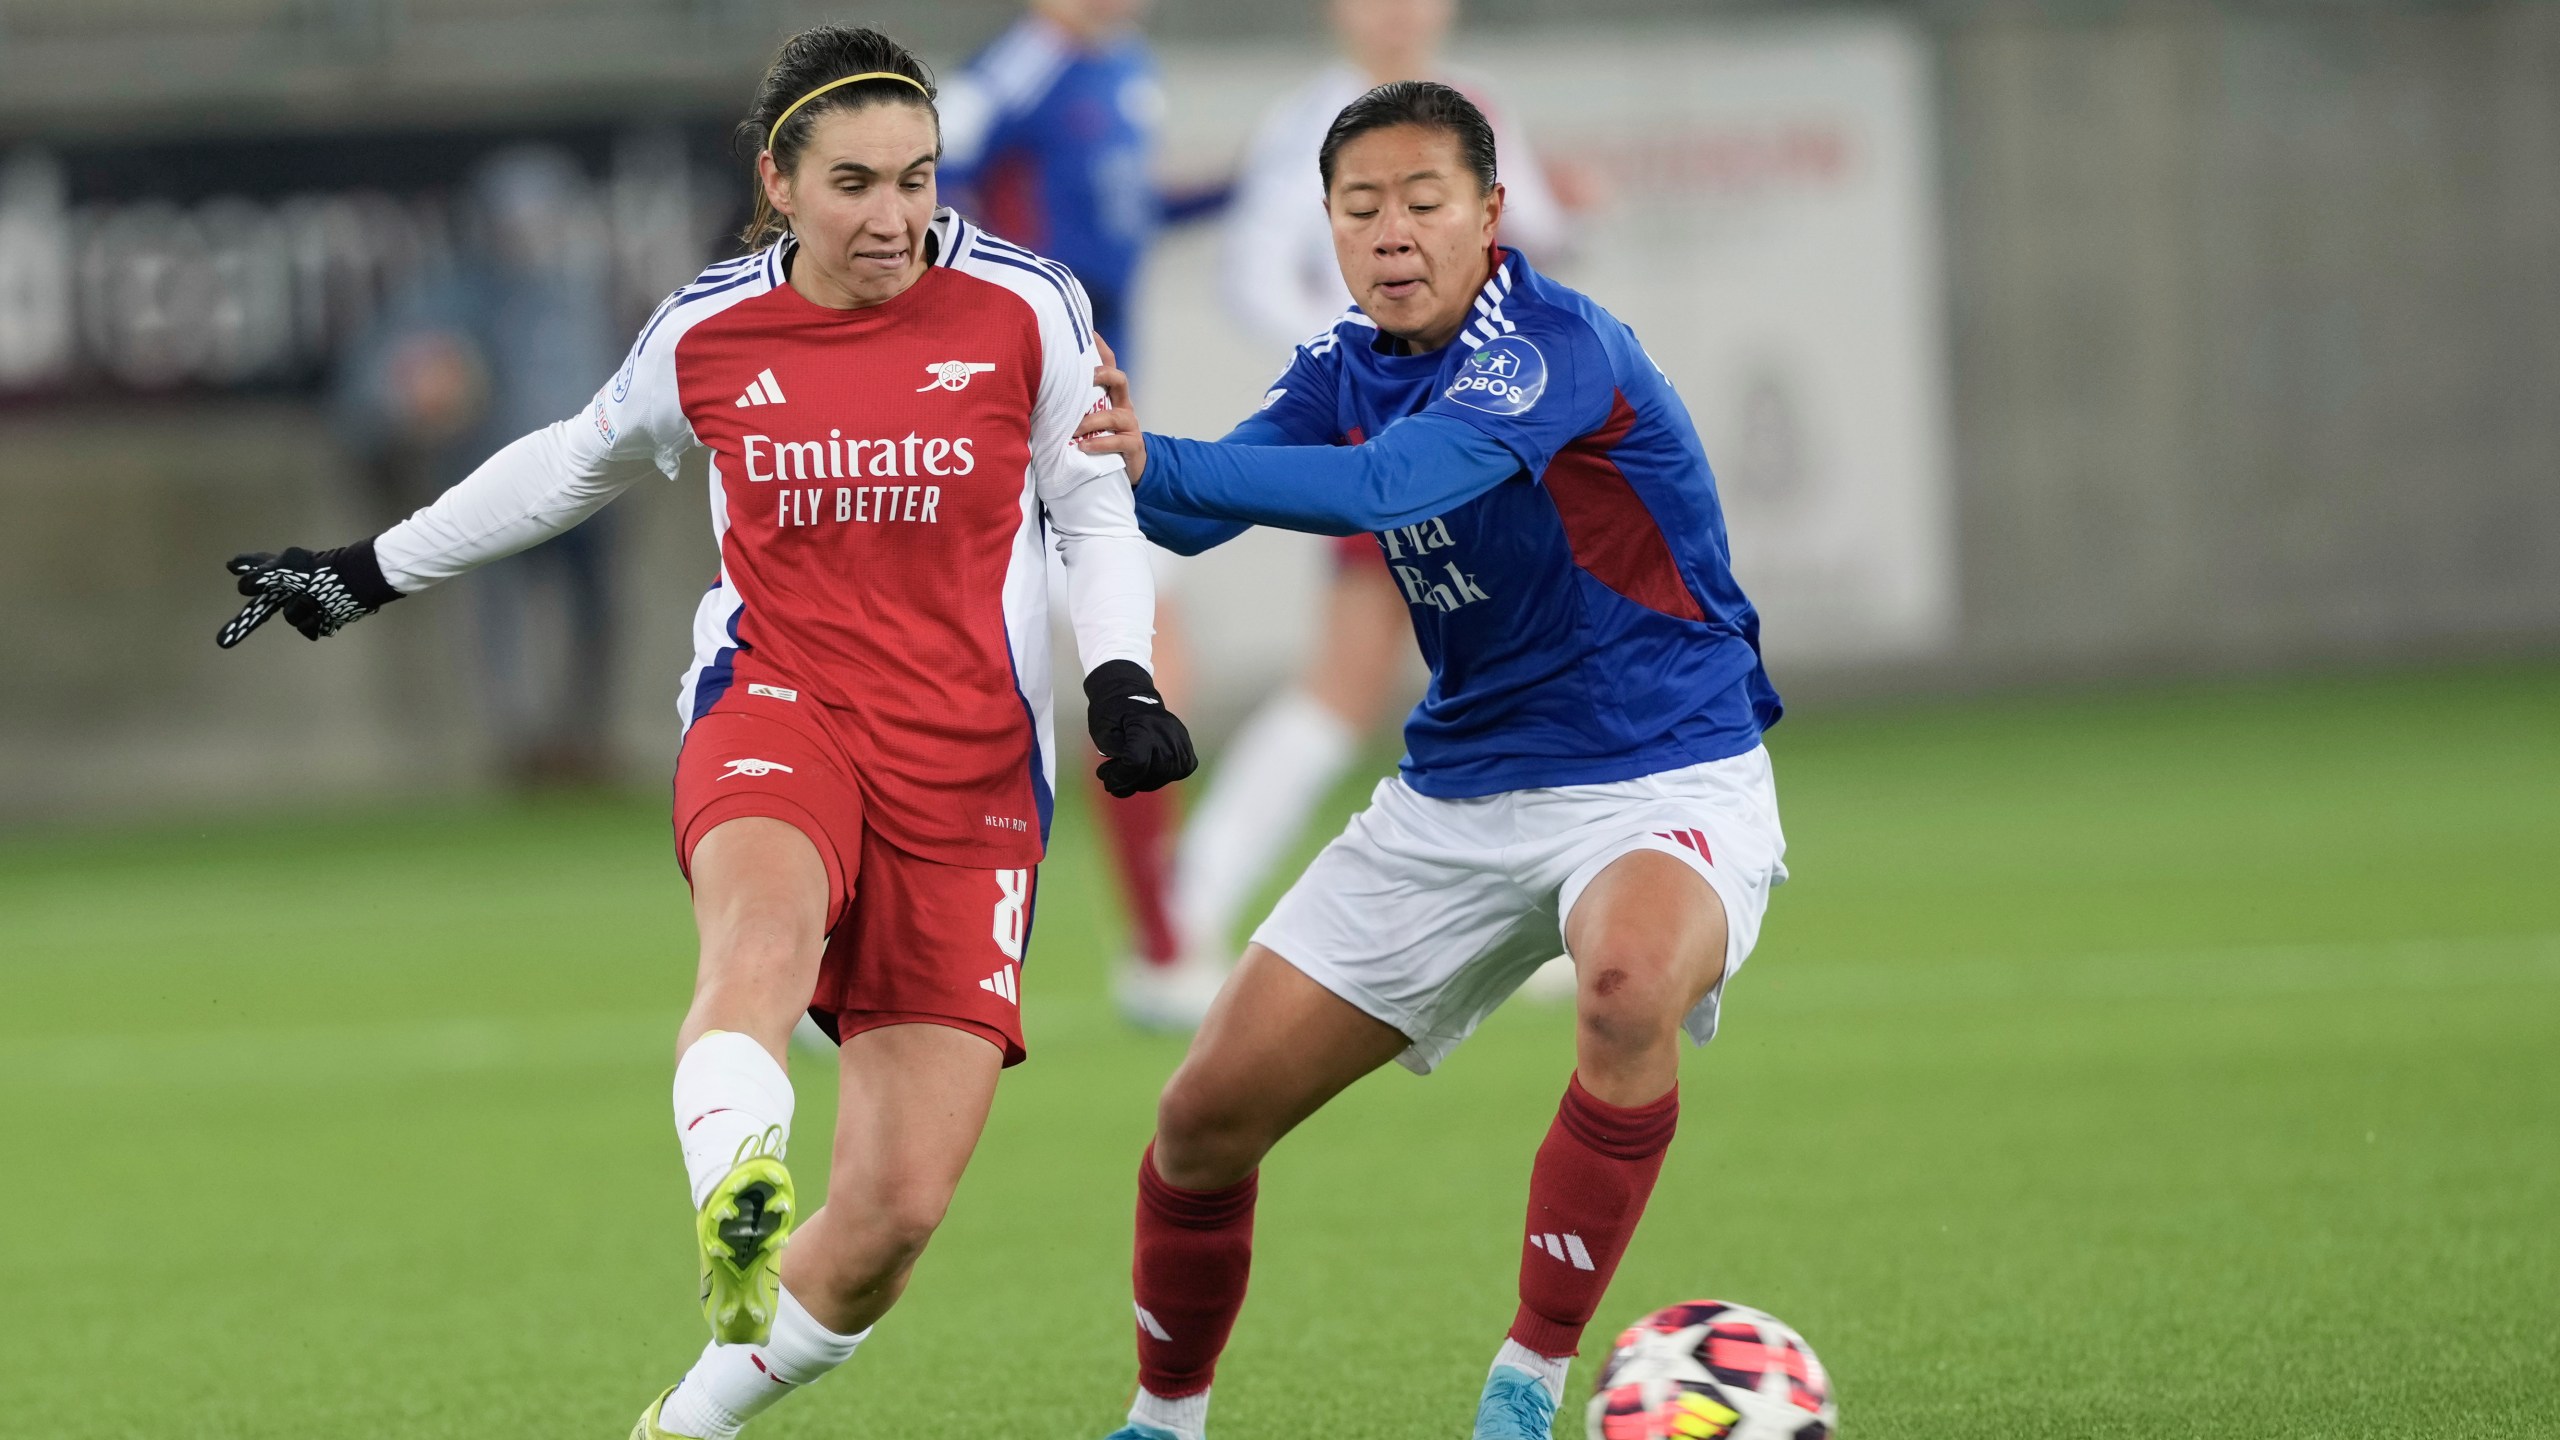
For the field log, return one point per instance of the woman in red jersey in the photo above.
(890, 399)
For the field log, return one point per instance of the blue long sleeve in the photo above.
(1184, 533)
(1416, 468)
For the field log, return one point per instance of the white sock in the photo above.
(733, 1384)
(1275, 771)
(1186, 1417)
(732, 1096)
(1549, 1370)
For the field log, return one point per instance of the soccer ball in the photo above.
(1707, 1370)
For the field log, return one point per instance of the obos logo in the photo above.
(1506, 377)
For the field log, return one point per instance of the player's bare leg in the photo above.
(1290, 752)
(912, 1102)
(1648, 942)
(760, 900)
(759, 905)
(1275, 1047)
(1647, 939)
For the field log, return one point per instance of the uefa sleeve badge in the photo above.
(1505, 377)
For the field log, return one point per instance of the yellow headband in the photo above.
(776, 132)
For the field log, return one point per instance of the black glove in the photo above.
(1143, 746)
(319, 594)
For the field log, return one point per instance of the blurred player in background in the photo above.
(500, 342)
(1283, 285)
(1586, 769)
(863, 793)
(1281, 280)
(1049, 138)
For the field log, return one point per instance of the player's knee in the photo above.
(1205, 1141)
(1623, 1036)
(1631, 994)
(894, 1224)
(907, 1225)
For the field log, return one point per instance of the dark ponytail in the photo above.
(808, 61)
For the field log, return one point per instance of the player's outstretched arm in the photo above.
(1113, 429)
(523, 495)
(1416, 468)
(317, 594)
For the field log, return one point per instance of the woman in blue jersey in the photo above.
(1585, 769)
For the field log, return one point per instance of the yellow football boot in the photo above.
(739, 1235)
(649, 1429)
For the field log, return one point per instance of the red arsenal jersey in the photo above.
(880, 480)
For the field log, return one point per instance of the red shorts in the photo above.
(1353, 552)
(909, 940)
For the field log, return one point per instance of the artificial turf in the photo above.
(2177, 1063)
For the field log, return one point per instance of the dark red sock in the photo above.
(1195, 1250)
(1586, 1193)
(1140, 829)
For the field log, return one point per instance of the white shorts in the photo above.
(1428, 913)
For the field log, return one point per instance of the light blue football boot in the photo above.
(1516, 1406)
(1141, 1430)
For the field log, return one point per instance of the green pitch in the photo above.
(2175, 1064)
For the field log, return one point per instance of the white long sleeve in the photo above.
(1111, 584)
(1111, 587)
(528, 492)
(555, 477)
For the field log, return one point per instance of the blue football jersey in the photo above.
(1581, 619)
(1051, 144)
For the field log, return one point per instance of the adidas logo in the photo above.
(1568, 1249)
(1154, 1327)
(1004, 986)
(762, 390)
(1694, 839)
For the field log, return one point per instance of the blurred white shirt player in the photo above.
(1277, 268)
(1283, 284)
